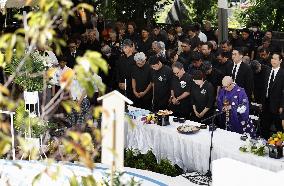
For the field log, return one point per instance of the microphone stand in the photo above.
(205, 179)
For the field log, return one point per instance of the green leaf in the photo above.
(85, 6)
(73, 181)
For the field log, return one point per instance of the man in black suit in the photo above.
(72, 52)
(241, 72)
(273, 96)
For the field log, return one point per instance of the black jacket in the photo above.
(244, 78)
(276, 95)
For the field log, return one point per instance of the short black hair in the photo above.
(186, 41)
(177, 24)
(246, 30)
(198, 75)
(279, 54)
(153, 60)
(146, 29)
(62, 58)
(240, 50)
(196, 56)
(197, 26)
(190, 28)
(224, 54)
(263, 50)
(178, 65)
(226, 42)
(209, 44)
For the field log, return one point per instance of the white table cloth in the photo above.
(191, 152)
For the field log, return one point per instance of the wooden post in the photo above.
(113, 129)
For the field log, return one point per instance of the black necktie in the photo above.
(270, 83)
(234, 72)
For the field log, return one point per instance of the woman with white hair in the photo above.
(141, 82)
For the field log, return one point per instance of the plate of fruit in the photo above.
(188, 129)
(164, 112)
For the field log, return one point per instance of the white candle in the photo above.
(125, 84)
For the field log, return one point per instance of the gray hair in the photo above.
(106, 49)
(160, 44)
(140, 56)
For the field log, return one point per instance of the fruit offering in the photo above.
(164, 112)
(276, 139)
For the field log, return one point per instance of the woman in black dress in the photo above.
(202, 98)
(141, 82)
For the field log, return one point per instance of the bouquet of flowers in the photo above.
(256, 147)
(276, 139)
(275, 145)
(149, 119)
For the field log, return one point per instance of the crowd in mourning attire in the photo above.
(184, 69)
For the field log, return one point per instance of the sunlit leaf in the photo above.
(85, 6)
(36, 179)
(86, 139)
(73, 181)
(4, 90)
(88, 180)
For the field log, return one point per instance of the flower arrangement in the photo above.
(256, 147)
(30, 76)
(275, 145)
(276, 139)
(149, 119)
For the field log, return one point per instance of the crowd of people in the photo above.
(186, 70)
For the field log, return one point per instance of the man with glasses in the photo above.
(180, 92)
(233, 101)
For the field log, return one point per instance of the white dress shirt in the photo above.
(202, 37)
(237, 70)
(76, 90)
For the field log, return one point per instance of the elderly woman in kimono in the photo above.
(233, 100)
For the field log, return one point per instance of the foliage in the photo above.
(234, 20)
(135, 159)
(30, 77)
(130, 10)
(23, 120)
(200, 10)
(269, 14)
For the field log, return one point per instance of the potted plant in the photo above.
(31, 127)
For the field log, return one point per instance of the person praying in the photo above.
(233, 101)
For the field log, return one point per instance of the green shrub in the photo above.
(135, 159)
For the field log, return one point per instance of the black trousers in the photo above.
(183, 110)
(267, 120)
